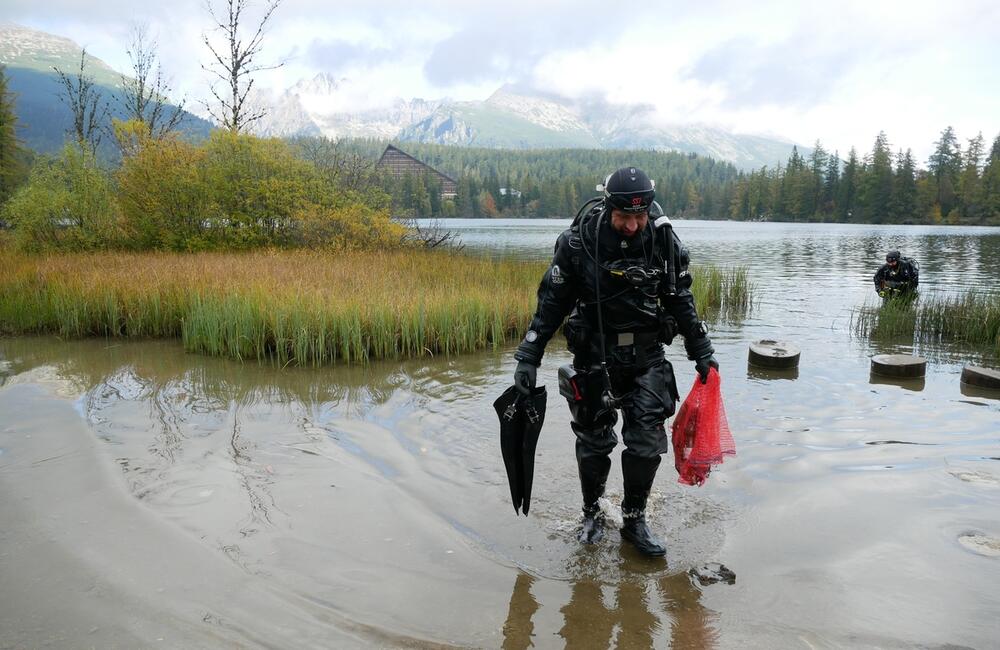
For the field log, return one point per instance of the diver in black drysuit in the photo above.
(639, 315)
(896, 277)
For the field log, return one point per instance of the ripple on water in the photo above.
(882, 468)
(191, 495)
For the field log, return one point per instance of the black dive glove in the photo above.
(703, 364)
(525, 376)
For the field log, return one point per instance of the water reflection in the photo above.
(915, 384)
(976, 391)
(760, 372)
(664, 611)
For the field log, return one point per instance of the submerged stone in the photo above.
(713, 572)
(981, 544)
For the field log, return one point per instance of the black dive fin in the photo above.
(511, 417)
(533, 409)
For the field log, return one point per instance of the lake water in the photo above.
(154, 497)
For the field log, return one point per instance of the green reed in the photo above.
(972, 317)
(723, 293)
(295, 307)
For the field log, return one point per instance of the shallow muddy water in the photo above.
(153, 497)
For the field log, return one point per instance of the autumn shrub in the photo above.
(163, 196)
(67, 204)
(238, 192)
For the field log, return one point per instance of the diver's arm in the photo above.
(556, 295)
(879, 277)
(681, 307)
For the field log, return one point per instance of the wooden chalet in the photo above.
(398, 163)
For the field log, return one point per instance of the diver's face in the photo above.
(627, 224)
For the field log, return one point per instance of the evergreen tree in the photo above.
(817, 167)
(945, 166)
(831, 185)
(991, 183)
(739, 207)
(12, 168)
(406, 197)
(433, 186)
(421, 198)
(849, 188)
(875, 191)
(970, 190)
(904, 189)
(797, 188)
(465, 197)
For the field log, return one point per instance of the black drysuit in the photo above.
(902, 278)
(639, 316)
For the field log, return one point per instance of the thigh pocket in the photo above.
(656, 396)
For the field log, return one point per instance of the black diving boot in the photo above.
(636, 531)
(592, 529)
(639, 473)
(594, 468)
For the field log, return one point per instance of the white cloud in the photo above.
(840, 72)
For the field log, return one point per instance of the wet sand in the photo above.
(85, 564)
(157, 498)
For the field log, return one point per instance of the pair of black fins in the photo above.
(521, 418)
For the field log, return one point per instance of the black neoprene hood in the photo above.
(629, 189)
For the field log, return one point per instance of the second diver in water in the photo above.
(899, 276)
(621, 276)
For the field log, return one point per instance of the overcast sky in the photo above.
(839, 74)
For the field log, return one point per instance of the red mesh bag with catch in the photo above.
(701, 433)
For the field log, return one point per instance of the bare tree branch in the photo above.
(85, 102)
(145, 97)
(236, 67)
(432, 235)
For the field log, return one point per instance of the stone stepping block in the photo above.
(899, 365)
(774, 354)
(982, 377)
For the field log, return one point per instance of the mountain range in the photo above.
(512, 117)
(43, 120)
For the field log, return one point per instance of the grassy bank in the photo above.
(973, 318)
(297, 307)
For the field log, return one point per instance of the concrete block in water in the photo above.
(899, 365)
(774, 354)
(982, 377)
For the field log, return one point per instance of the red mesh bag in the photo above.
(701, 433)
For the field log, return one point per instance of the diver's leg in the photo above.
(651, 403)
(595, 440)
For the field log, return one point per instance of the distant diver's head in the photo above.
(892, 258)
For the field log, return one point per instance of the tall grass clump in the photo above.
(972, 317)
(892, 318)
(726, 293)
(293, 306)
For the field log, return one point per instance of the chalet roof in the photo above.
(400, 152)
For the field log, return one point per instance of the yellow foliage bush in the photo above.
(231, 192)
